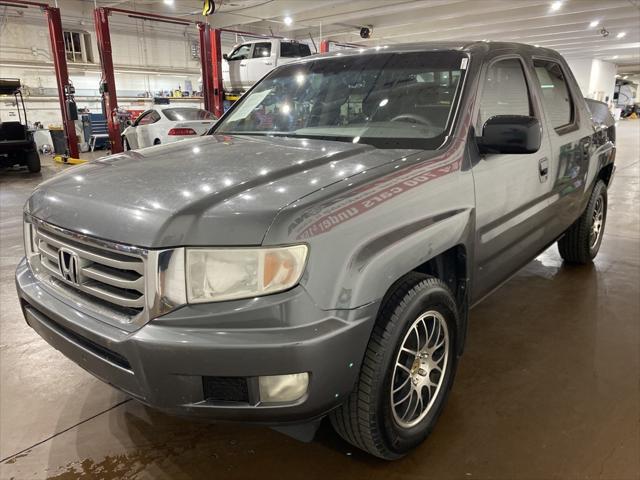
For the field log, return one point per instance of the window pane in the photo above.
(182, 114)
(555, 93)
(262, 50)
(304, 50)
(291, 49)
(77, 48)
(379, 99)
(240, 53)
(505, 91)
(144, 119)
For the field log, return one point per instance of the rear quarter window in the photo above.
(290, 49)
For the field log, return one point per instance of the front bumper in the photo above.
(173, 362)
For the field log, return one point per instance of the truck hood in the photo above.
(211, 190)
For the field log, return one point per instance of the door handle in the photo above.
(268, 63)
(543, 169)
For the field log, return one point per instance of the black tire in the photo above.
(156, 141)
(366, 419)
(578, 244)
(33, 161)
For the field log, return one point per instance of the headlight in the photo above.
(233, 273)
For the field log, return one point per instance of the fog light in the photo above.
(283, 388)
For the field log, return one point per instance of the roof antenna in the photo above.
(313, 42)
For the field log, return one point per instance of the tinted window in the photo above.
(391, 100)
(555, 93)
(182, 114)
(505, 91)
(148, 118)
(240, 53)
(291, 49)
(262, 50)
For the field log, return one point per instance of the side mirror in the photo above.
(225, 56)
(510, 134)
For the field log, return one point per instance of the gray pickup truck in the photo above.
(317, 253)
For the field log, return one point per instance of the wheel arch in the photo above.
(606, 173)
(452, 267)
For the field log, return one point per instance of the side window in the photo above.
(148, 118)
(143, 119)
(505, 91)
(305, 51)
(293, 49)
(555, 93)
(240, 53)
(261, 50)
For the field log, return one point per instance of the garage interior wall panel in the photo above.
(156, 57)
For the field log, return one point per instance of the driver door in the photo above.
(143, 132)
(131, 133)
(512, 190)
(238, 66)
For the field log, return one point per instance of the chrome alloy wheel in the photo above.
(597, 221)
(420, 368)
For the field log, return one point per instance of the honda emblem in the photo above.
(69, 265)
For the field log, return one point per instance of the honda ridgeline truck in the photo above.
(317, 253)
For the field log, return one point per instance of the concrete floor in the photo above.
(549, 387)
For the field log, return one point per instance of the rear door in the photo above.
(511, 189)
(262, 61)
(570, 133)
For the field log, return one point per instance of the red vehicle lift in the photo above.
(326, 44)
(65, 89)
(210, 60)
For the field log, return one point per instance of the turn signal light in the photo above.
(182, 131)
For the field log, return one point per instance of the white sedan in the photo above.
(166, 123)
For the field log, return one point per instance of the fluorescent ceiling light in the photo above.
(288, 20)
(621, 34)
(594, 23)
(556, 6)
(168, 2)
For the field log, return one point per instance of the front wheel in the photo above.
(407, 371)
(582, 241)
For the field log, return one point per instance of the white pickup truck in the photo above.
(248, 62)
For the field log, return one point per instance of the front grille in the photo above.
(109, 279)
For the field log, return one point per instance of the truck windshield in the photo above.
(388, 100)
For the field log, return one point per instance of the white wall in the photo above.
(596, 78)
(581, 69)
